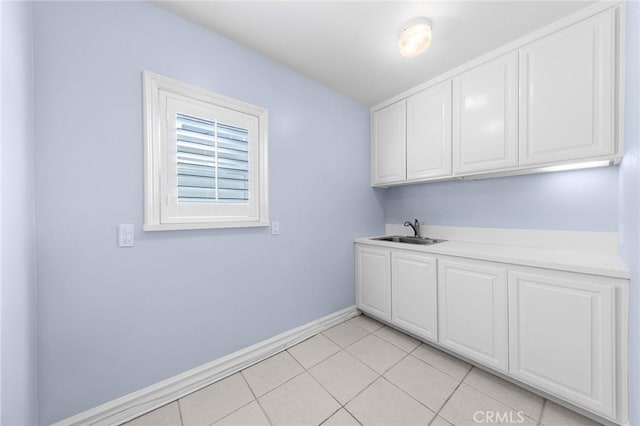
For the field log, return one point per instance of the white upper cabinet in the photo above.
(549, 98)
(429, 133)
(389, 144)
(485, 116)
(414, 295)
(562, 336)
(567, 93)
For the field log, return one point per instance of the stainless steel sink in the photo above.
(408, 240)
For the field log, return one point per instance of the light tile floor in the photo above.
(361, 372)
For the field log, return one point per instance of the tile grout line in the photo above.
(360, 393)
(503, 402)
(307, 370)
(437, 368)
(224, 378)
(294, 358)
(391, 343)
(255, 398)
(283, 383)
(379, 376)
(544, 405)
(244, 405)
(411, 396)
(352, 415)
(450, 396)
(180, 412)
(320, 384)
(539, 420)
(342, 349)
(406, 354)
(368, 318)
(227, 415)
(355, 341)
(341, 406)
(330, 415)
(411, 353)
(322, 360)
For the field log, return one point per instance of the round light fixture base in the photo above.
(415, 38)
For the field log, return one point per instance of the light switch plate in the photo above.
(125, 235)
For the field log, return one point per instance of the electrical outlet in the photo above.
(275, 228)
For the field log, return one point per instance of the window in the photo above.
(205, 158)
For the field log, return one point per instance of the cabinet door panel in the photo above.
(485, 116)
(373, 281)
(567, 89)
(562, 336)
(472, 311)
(389, 144)
(429, 133)
(414, 293)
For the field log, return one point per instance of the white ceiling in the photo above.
(351, 47)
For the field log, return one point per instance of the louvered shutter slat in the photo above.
(212, 161)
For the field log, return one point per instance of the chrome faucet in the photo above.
(415, 226)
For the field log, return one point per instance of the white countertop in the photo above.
(605, 264)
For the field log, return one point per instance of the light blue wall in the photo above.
(115, 320)
(127, 318)
(630, 198)
(581, 200)
(18, 343)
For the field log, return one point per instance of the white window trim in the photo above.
(155, 151)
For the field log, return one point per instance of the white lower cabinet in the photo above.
(472, 310)
(563, 333)
(562, 336)
(414, 304)
(373, 281)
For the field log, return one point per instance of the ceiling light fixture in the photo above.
(415, 38)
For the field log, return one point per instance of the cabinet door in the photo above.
(567, 89)
(485, 116)
(429, 133)
(562, 336)
(389, 144)
(472, 310)
(414, 293)
(373, 281)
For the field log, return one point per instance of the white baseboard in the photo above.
(137, 403)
